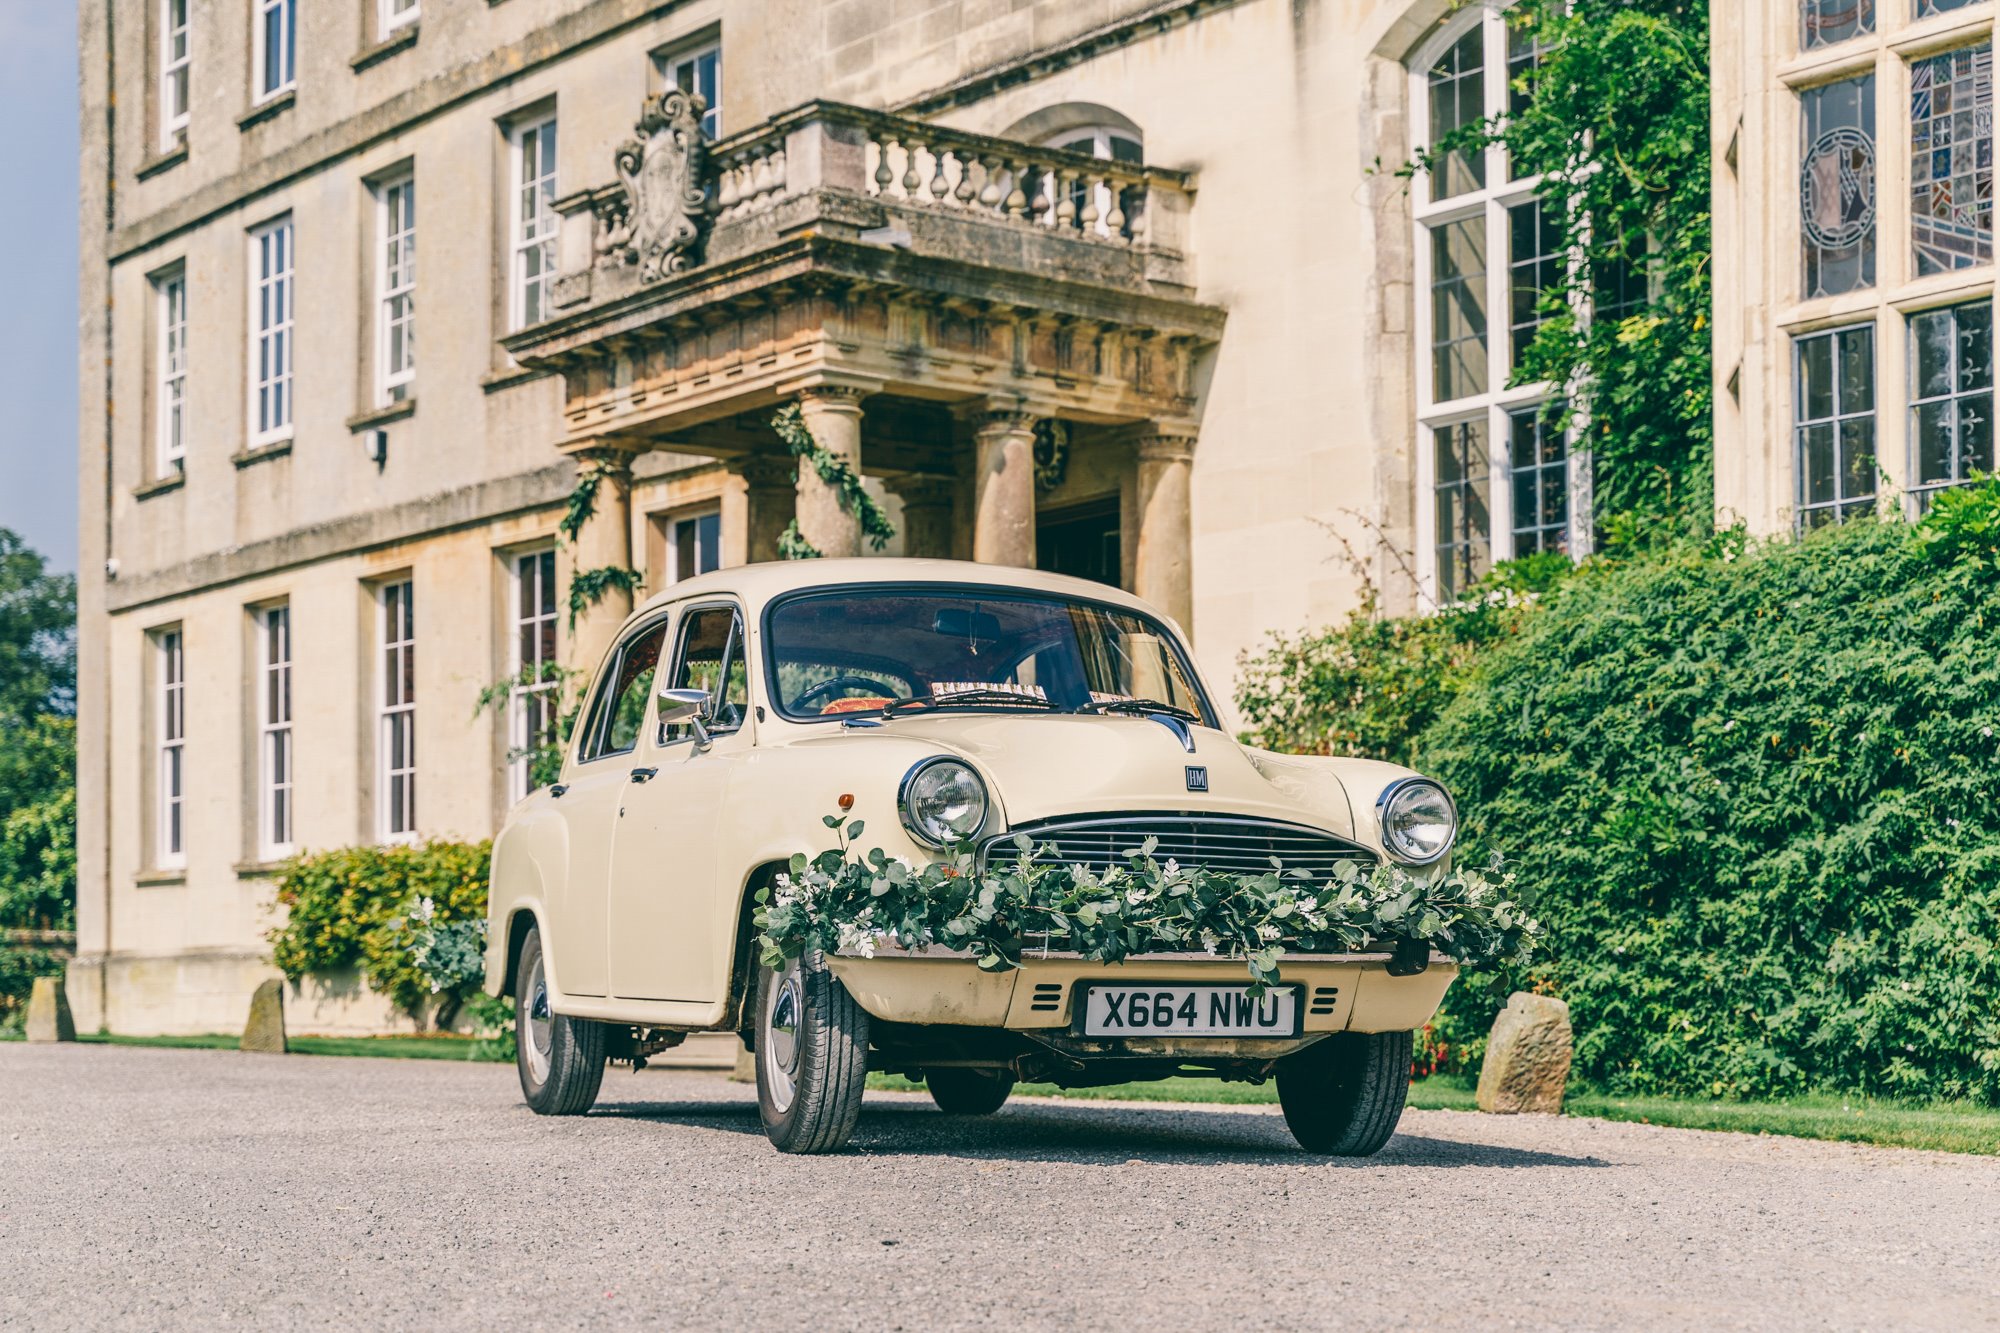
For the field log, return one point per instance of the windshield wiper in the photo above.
(1141, 706)
(951, 697)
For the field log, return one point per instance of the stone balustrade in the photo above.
(779, 176)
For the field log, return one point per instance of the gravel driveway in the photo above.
(150, 1189)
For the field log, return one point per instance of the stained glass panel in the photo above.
(1951, 396)
(1824, 22)
(1837, 186)
(1951, 159)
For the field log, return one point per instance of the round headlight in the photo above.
(1418, 821)
(943, 802)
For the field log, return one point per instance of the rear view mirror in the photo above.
(689, 706)
(959, 623)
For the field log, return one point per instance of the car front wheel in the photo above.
(560, 1059)
(812, 1056)
(1343, 1095)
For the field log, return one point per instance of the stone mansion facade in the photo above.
(1109, 287)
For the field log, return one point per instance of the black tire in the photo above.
(812, 1056)
(969, 1091)
(1343, 1096)
(560, 1059)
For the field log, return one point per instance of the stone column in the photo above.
(1003, 522)
(1163, 571)
(758, 506)
(926, 514)
(604, 542)
(833, 415)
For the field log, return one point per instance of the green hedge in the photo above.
(378, 909)
(1753, 793)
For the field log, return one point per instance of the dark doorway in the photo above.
(1081, 540)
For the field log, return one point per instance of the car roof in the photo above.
(761, 582)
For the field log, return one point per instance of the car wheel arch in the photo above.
(522, 920)
(743, 945)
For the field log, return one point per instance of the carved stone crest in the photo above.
(666, 203)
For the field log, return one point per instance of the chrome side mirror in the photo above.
(689, 706)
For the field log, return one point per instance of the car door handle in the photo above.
(644, 774)
(559, 790)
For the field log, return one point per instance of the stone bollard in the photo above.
(1527, 1057)
(265, 1030)
(48, 1012)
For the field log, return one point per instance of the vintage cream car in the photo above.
(949, 705)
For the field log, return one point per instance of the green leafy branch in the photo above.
(790, 424)
(544, 751)
(587, 587)
(841, 901)
(581, 505)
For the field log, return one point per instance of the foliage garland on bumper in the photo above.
(842, 901)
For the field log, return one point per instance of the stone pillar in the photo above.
(1003, 522)
(833, 415)
(604, 542)
(927, 527)
(758, 506)
(1163, 569)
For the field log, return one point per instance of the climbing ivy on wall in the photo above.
(1616, 122)
(790, 424)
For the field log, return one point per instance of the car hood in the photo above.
(1043, 765)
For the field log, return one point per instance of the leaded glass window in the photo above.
(1930, 8)
(1525, 51)
(1951, 396)
(1834, 430)
(1837, 186)
(1458, 309)
(1538, 474)
(1464, 524)
(1534, 266)
(1458, 99)
(1951, 159)
(1824, 22)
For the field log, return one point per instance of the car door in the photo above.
(589, 799)
(671, 898)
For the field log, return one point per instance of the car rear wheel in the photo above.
(812, 1056)
(1343, 1096)
(969, 1091)
(560, 1059)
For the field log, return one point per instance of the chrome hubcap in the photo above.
(783, 1007)
(538, 1026)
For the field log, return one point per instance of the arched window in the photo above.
(1496, 475)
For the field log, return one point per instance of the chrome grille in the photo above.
(1214, 842)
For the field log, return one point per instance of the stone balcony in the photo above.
(961, 292)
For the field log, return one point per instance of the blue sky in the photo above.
(38, 160)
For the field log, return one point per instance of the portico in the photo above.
(975, 324)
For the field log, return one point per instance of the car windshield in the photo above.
(862, 650)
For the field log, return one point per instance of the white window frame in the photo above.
(672, 64)
(396, 14)
(1490, 203)
(531, 231)
(396, 710)
(176, 63)
(396, 287)
(277, 756)
(273, 302)
(693, 518)
(170, 748)
(263, 87)
(170, 424)
(540, 694)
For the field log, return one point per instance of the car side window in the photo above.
(710, 657)
(619, 714)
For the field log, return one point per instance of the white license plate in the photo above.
(1189, 1011)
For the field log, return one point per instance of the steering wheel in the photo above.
(859, 684)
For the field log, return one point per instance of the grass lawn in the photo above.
(1944, 1127)
(403, 1048)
